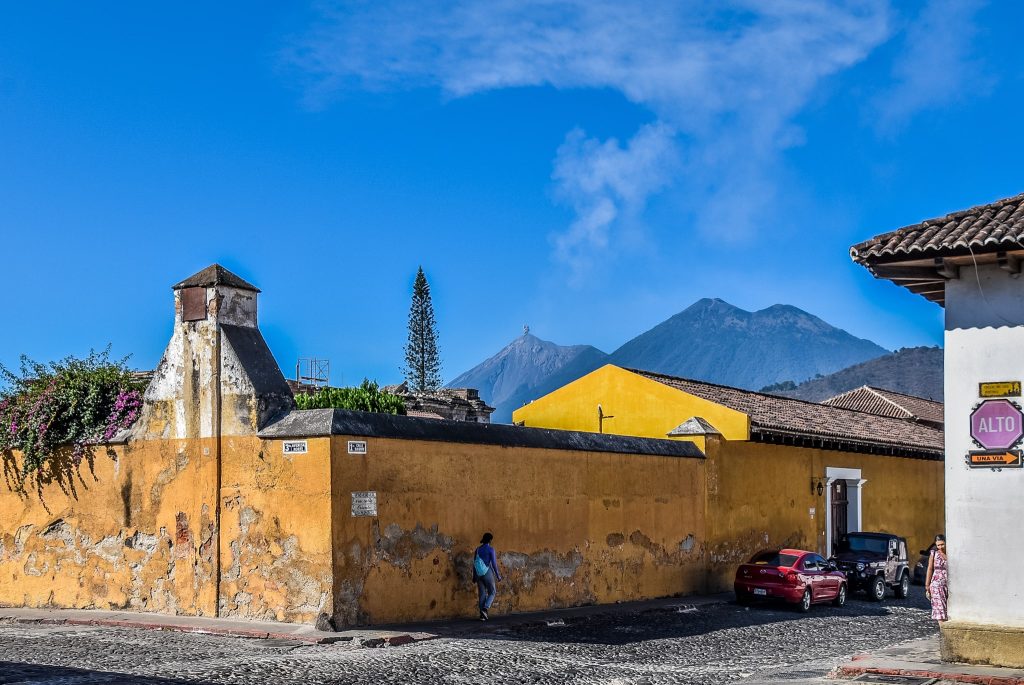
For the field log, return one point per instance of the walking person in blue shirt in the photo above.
(485, 573)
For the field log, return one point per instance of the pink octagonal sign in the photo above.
(997, 424)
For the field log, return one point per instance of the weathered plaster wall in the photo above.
(135, 529)
(276, 521)
(140, 531)
(570, 528)
(217, 376)
(759, 496)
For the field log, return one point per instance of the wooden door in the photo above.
(840, 520)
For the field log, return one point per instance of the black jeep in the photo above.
(872, 561)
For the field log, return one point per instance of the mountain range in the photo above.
(911, 370)
(711, 340)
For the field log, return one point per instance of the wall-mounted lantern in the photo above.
(817, 485)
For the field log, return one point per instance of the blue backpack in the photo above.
(480, 567)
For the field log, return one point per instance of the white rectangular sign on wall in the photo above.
(296, 447)
(357, 447)
(364, 503)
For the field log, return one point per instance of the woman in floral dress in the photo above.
(937, 581)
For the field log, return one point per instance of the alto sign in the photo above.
(997, 424)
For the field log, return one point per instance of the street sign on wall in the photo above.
(999, 389)
(994, 459)
(997, 424)
(364, 503)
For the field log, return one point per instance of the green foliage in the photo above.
(45, 409)
(779, 387)
(367, 397)
(422, 362)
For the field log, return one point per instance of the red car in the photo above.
(792, 575)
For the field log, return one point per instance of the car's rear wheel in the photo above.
(877, 590)
(743, 599)
(903, 589)
(840, 599)
(805, 602)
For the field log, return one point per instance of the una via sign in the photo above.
(994, 459)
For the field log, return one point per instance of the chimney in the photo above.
(217, 376)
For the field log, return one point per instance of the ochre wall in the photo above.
(276, 521)
(138, 530)
(133, 527)
(759, 496)
(640, 406)
(570, 528)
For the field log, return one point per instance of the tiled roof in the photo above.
(991, 227)
(888, 403)
(215, 274)
(774, 419)
(424, 414)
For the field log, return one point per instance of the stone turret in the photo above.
(217, 376)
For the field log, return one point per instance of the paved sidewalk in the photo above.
(211, 626)
(921, 658)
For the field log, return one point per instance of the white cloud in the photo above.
(724, 82)
(935, 64)
(605, 182)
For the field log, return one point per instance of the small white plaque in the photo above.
(296, 447)
(813, 512)
(357, 447)
(364, 503)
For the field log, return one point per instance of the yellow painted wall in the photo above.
(640, 406)
(138, 530)
(133, 527)
(758, 494)
(759, 497)
(276, 521)
(570, 528)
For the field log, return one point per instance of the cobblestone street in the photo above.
(716, 643)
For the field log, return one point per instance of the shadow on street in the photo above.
(16, 672)
(616, 629)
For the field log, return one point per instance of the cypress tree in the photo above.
(422, 364)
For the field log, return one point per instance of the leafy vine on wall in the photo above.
(55, 413)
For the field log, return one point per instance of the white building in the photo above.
(969, 263)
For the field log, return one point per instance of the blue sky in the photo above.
(586, 168)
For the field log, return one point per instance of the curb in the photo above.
(854, 671)
(255, 633)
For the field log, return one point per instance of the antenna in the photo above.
(313, 371)
(601, 418)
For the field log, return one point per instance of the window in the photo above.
(773, 559)
(862, 543)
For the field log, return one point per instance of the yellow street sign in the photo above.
(1000, 389)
